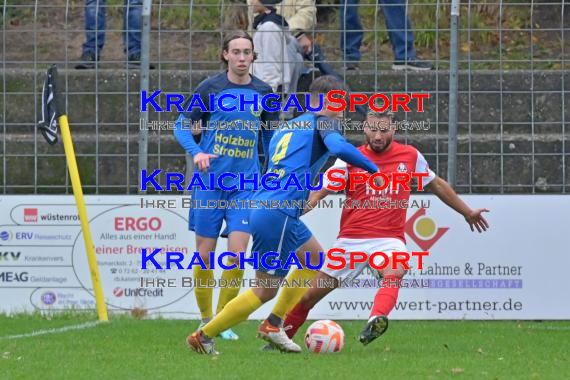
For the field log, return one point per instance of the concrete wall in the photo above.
(510, 139)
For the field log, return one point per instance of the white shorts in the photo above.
(368, 246)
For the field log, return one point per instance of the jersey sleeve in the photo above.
(338, 146)
(185, 138)
(184, 135)
(197, 112)
(338, 165)
(423, 167)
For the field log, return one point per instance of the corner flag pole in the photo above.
(52, 115)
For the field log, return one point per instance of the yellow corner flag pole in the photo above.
(78, 193)
(51, 111)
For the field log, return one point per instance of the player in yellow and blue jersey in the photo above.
(221, 150)
(292, 152)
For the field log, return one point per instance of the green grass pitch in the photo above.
(127, 348)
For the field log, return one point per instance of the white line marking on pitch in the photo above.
(53, 330)
(553, 328)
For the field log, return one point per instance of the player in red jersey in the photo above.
(371, 230)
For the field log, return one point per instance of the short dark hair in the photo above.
(381, 114)
(234, 35)
(325, 84)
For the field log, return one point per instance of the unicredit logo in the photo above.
(137, 292)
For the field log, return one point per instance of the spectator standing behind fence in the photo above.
(95, 15)
(301, 15)
(399, 31)
(279, 62)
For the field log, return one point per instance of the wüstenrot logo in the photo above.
(424, 230)
(34, 215)
(31, 215)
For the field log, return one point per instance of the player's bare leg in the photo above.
(237, 242)
(384, 302)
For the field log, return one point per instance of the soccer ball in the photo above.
(324, 337)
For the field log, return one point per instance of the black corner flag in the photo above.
(52, 116)
(48, 123)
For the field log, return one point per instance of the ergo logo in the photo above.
(137, 224)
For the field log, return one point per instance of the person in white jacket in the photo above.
(301, 15)
(279, 61)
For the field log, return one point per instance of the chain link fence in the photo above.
(498, 80)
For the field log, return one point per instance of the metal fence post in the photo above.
(145, 64)
(453, 94)
(189, 159)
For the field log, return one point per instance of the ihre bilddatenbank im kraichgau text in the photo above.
(380, 197)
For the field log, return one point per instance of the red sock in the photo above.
(386, 296)
(295, 319)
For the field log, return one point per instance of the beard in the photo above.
(377, 149)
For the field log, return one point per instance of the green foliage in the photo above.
(491, 34)
(205, 15)
(483, 27)
(16, 13)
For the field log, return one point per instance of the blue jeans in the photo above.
(95, 12)
(397, 23)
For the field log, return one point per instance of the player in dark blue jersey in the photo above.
(222, 150)
(291, 151)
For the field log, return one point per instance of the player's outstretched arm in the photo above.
(474, 217)
(338, 146)
(315, 197)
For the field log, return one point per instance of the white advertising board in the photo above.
(516, 270)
